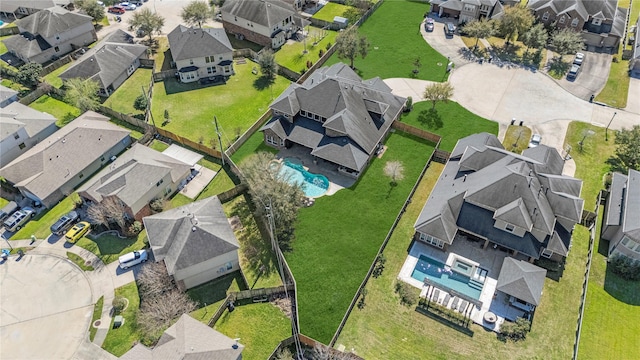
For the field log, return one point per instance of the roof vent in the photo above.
(193, 229)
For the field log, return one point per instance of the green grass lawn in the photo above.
(120, 340)
(3, 47)
(15, 86)
(260, 328)
(210, 295)
(237, 104)
(159, 145)
(220, 183)
(53, 77)
(335, 245)
(291, 55)
(517, 138)
(253, 145)
(329, 11)
(79, 261)
(456, 122)
(123, 98)
(394, 35)
(109, 247)
(39, 226)
(97, 314)
(386, 329)
(3, 202)
(60, 110)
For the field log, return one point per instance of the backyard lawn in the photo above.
(53, 77)
(329, 265)
(237, 104)
(39, 226)
(329, 11)
(394, 48)
(451, 121)
(62, 111)
(386, 329)
(123, 98)
(120, 340)
(253, 145)
(109, 247)
(260, 328)
(290, 54)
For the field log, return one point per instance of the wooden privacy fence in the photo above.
(189, 143)
(247, 134)
(423, 134)
(309, 342)
(56, 65)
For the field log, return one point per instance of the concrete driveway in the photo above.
(633, 100)
(46, 308)
(592, 77)
(450, 47)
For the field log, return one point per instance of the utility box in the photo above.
(118, 321)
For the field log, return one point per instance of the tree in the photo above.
(284, 354)
(394, 170)
(323, 352)
(197, 12)
(268, 65)
(91, 8)
(153, 279)
(119, 303)
(350, 44)
(109, 210)
(567, 41)
(140, 103)
(627, 154)
(438, 92)
(515, 330)
(29, 74)
(271, 189)
(147, 22)
(515, 20)
(480, 29)
(97, 215)
(535, 37)
(352, 14)
(83, 94)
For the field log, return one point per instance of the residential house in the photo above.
(200, 53)
(266, 22)
(109, 63)
(520, 203)
(137, 177)
(601, 23)
(188, 338)
(49, 34)
(468, 10)
(522, 282)
(298, 5)
(7, 96)
(21, 8)
(195, 241)
(55, 166)
(634, 62)
(336, 116)
(621, 224)
(21, 127)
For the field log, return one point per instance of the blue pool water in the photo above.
(436, 272)
(313, 185)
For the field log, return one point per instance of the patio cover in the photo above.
(522, 280)
(185, 155)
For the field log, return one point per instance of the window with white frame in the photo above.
(431, 240)
(509, 227)
(547, 253)
(597, 22)
(274, 140)
(545, 16)
(575, 22)
(211, 69)
(562, 20)
(469, 8)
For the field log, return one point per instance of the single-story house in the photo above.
(200, 53)
(520, 203)
(7, 96)
(195, 241)
(468, 10)
(265, 22)
(55, 166)
(50, 34)
(621, 223)
(522, 282)
(21, 127)
(109, 63)
(601, 23)
(21, 8)
(188, 338)
(137, 177)
(336, 115)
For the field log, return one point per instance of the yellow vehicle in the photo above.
(78, 231)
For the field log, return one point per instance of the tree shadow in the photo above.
(558, 67)
(168, 59)
(508, 51)
(616, 165)
(626, 291)
(66, 119)
(431, 118)
(262, 83)
(216, 290)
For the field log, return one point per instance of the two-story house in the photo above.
(109, 63)
(7, 96)
(601, 23)
(49, 34)
(621, 223)
(467, 10)
(21, 127)
(200, 53)
(21, 8)
(265, 22)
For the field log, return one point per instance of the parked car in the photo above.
(127, 5)
(428, 24)
(133, 258)
(78, 231)
(116, 10)
(449, 29)
(574, 71)
(19, 218)
(8, 209)
(535, 140)
(579, 58)
(64, 223)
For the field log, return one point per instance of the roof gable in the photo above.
(191, 43)
(52, 21)
(267, 13)
(522, 280)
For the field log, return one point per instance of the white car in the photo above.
(128, 6)
(535, 140)
(579, 58)
(133, 258)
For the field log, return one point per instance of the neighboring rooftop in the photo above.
(190, 43)
(16, 115)
(6, 93)
(267, 13)
(10, 6)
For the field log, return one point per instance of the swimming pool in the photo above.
(313, 185)
(440, 274)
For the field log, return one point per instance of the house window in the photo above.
(227, 68)
(131, 69)
(597, 22)
(431, 240)
(211, 70)
(509, 227)
(273, 140)
(160, 182)
(562, 20)
(547, 253)
(625, 241)
(469, 8)
(574, 22)
(209, 59)
(545, 16)
(229, 266)
(167, 191)
(81, 176)
(16, 136)
(316, 117)
(22, 146)
(191, 61)
(56, 49)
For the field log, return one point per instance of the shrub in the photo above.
(515, 330)
(135, 228)
(118, 303)
(140, 103)
(328, 46)
(409, 105)
(361, 302)
(157, 205)
(406, 292)
(625, 267)
(379, 267)
(607, 180)
(320, 53)
(309, 64)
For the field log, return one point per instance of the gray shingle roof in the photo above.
(190, 234)
(189, 339)
(522, 280)
(13, 5)
(16, 115)
(264, 12)
(603, 9)
(108, 60)
(52, 21)
(6, 93)
(134, 174)
(190, 43)
(28, 46)
(62, 156)
(632, 204)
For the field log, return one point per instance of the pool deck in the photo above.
(471, 253)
